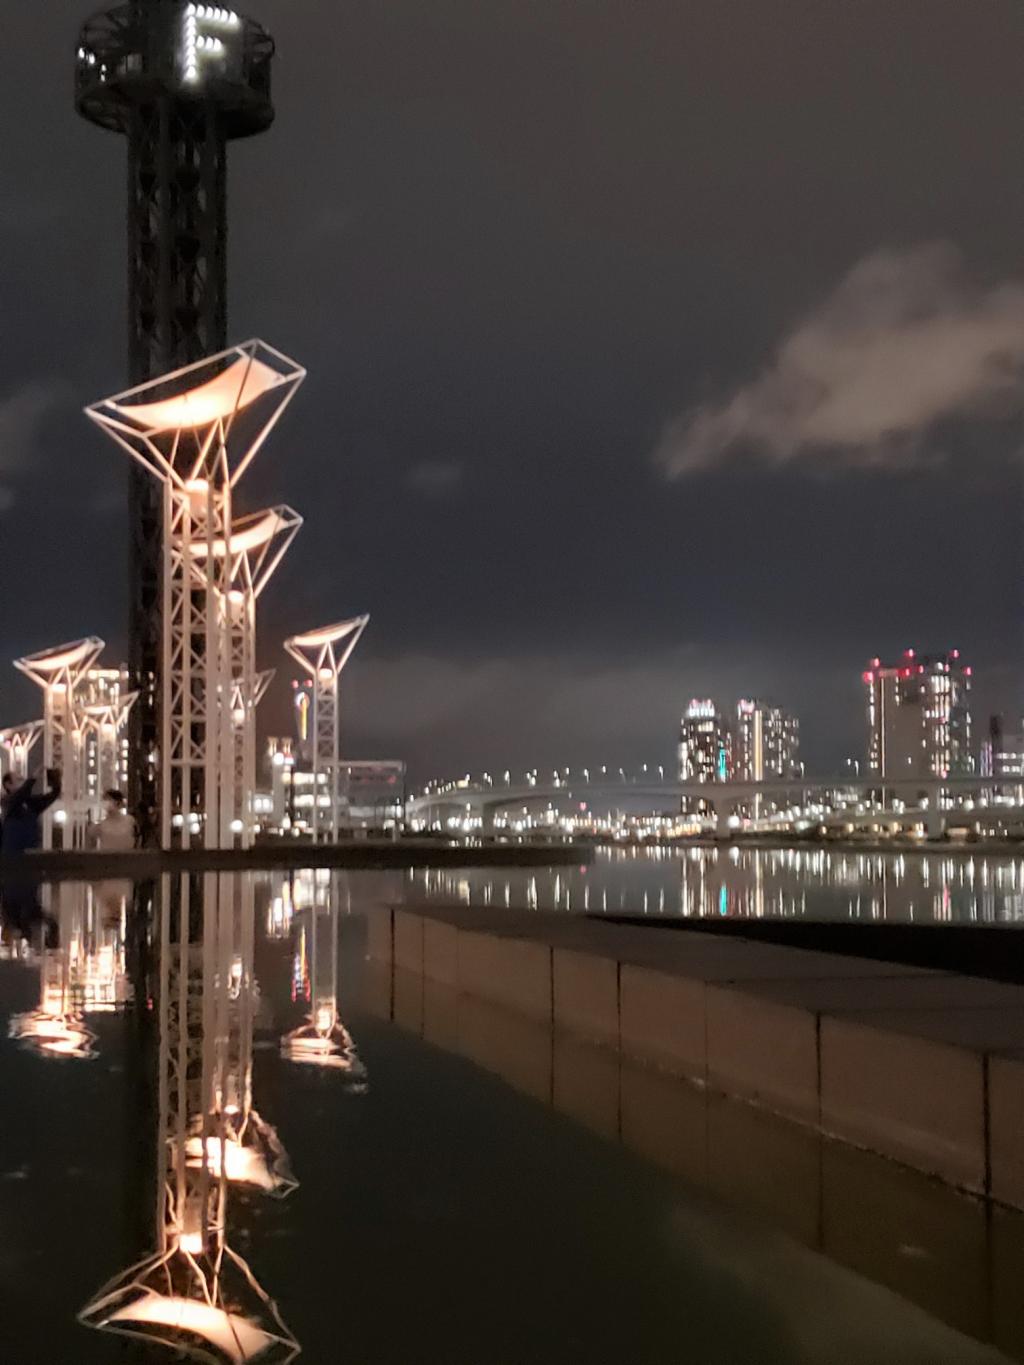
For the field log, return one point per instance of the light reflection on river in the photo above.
(783, 883)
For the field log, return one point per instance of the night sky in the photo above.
(654, 349)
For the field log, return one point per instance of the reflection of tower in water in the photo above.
(194, 1292)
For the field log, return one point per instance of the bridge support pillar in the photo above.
(935, 823)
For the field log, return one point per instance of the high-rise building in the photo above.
(705, 744)
(766, 742)
(1002, 754)
(101, 695)
(919, 716)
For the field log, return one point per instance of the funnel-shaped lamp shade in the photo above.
(185, 426)
(71, 659)
(319, 649)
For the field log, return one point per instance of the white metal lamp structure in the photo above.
(253, 551)
(59, 672)
(197, 430)
(17, 743)
(322, 654)
(194, 1293)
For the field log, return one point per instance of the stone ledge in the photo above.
(920, 1065)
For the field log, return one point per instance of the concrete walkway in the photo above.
(923, 1066)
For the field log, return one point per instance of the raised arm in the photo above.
(37, 804)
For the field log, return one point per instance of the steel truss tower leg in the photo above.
(177, 309)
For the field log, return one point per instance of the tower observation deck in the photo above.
(179, 80)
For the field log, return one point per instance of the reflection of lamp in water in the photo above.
(251, 1155)
(54, 1033)
(78, 973)
(195, 1294)
(323, 1040)
(56, 1027)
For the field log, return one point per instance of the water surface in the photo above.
(209, 1098)
(733, 881)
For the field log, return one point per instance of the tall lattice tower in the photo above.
(179, 80)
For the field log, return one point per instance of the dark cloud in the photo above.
(518, 240)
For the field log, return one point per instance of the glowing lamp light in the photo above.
(233, 1337)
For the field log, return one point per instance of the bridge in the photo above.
(833, 801)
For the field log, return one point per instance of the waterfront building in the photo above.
(371, 793)
(1002, 753)
(705, 744)
(766, 742)
(919, 716)
(102, 695)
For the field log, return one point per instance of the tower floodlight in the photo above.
(196, 431)
(18, 741)
(322, 654)
(59, 672)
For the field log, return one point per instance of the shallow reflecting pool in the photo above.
(225, 1135)
(789, 883)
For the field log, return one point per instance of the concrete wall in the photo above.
(922, 1066)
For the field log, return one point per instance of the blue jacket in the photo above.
(21, 811)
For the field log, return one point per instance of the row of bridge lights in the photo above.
(559, 777)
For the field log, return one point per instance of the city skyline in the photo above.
(543, 382)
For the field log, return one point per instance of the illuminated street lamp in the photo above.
(196, 431)
(17, 743)
(253, 551)
(322, 654)
(59, 672)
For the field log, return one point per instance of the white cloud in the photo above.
(904, 341)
